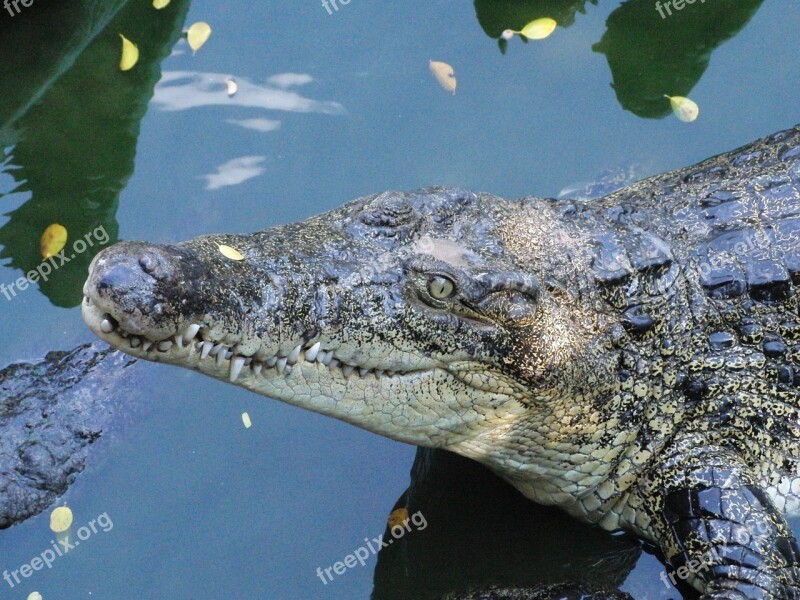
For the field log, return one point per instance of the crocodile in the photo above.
(633, 360)
(52, 414)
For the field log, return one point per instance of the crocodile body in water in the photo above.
(633, 360)
(51, 413)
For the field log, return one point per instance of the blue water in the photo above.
(201, 507)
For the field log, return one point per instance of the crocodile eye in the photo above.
(440, 287)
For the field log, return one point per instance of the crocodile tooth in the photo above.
(257, 366)
(281, 364)
(147, 345)
(207, 346)
(348, 370)
(311, 353)
(379, 372)
(190, 332)
(363, 372)
(294, 354)
(333, 363)
(178, 341)
(106, 326)
(326, 357)
(228, 354)
(270, 362)
(220, 358)
(136, 342)
(236, 368)
(217, 349)
(164, 345)
(248, 360)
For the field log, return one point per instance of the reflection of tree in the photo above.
(651, 56)
(481, 532)
(495, 16)
(75, 144)
(43, 43)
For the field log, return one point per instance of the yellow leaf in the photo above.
(198, 34)
(130, 54)
(444, 75)
(229, 252)
(159, 4)
(246, 420)
(53, 240)
(538, 29)
(397, 517)
(60, 519)
(686, 110)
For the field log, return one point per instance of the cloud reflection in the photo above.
(262, 125)
(235, 171)
(287, 80)
(182, 90)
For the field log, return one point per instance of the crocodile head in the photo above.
(439, 318)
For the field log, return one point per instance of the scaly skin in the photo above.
(633, 360)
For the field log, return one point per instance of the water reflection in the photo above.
(651, 56)
(44, 47)
(181, 90)
(256, 124)
(481, 532)
(495, 16)
(76, 128)
(235, 171)
(651, 52)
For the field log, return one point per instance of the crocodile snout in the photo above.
(129, 285)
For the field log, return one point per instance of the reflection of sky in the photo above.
(181, 90)
(262, 125)
(11, 192)
(235, 171)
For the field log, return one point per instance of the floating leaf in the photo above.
(53, 240)
(538, 29)
(229, 252)
(246, 420)
(34, 596)
(444, 75)
(130, 54)
(232, 86)
(397, 517)
(198, 34)
(60, 519)
(686, 110)
(159, 4)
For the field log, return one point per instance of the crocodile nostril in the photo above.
(148, 263)
(117, 277)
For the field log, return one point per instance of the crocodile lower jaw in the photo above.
(194, 347)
